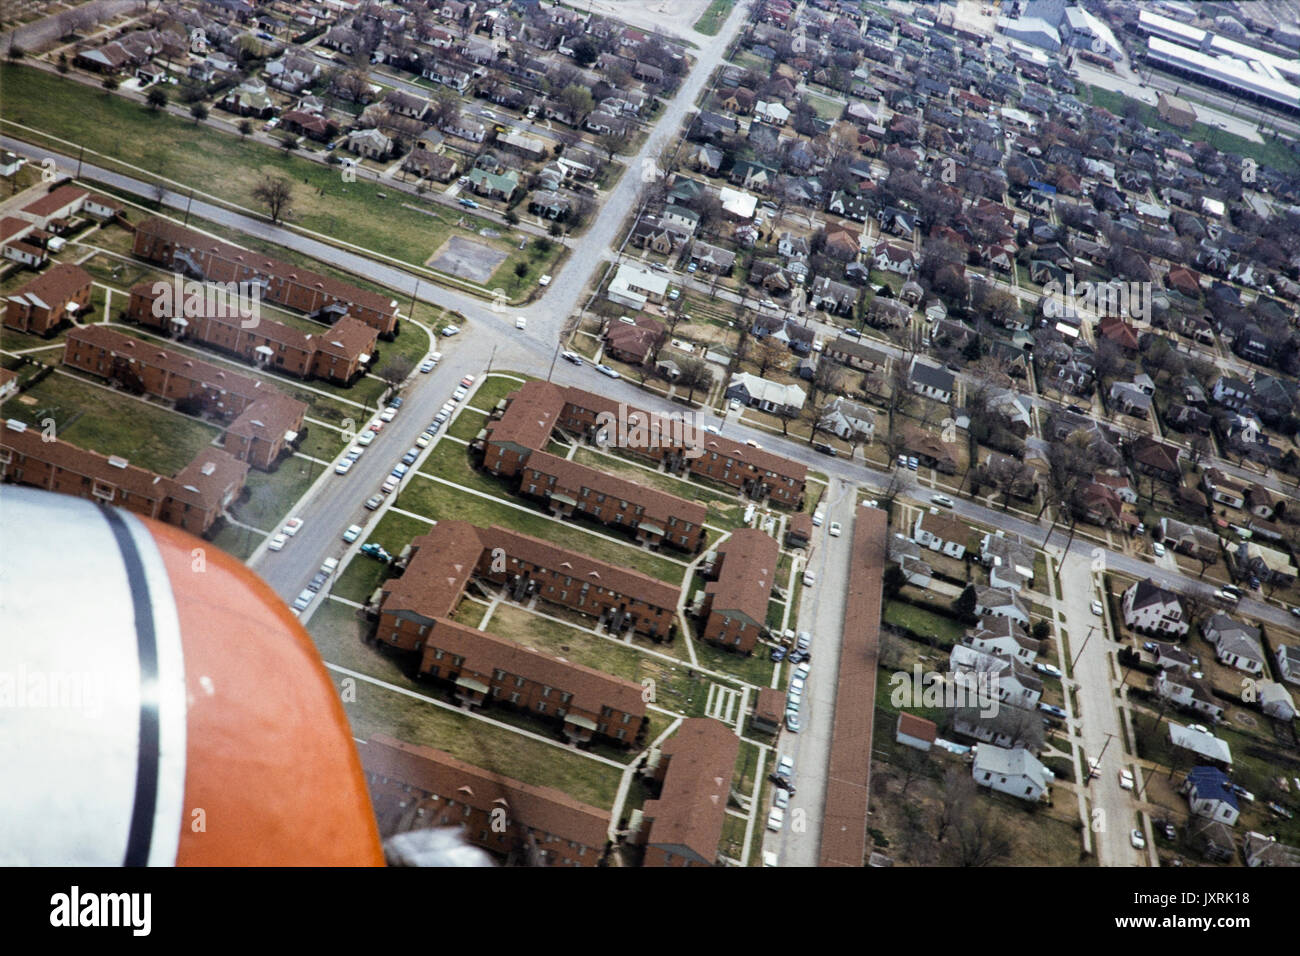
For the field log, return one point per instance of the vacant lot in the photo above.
(468, 258)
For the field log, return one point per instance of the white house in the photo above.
(1000, 602)
(845, 419)
(939, 533)
(1186, 691)
(761, 393)
(1235, 644)
(635, 285)
(1288, 663)
(1275, 700)
(931, 381)
(1201, 743)
(1004, 637)
(1210, 794)
(1007, 679)
(1016, 772)
(1003, 553)
(1152, 609)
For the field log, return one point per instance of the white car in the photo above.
(835, 529)
(781, 799)
(427, 365)
(1094, 767)
(573, 357)
(785, 766)
(735, 405)
(303, 599)
(388, 414)
(423, 440)
(365, 438)
(796, 685)
(752, 444)
(521, 322)
(942, 501)
(770, 858)
(1158, 549)
(278, 542)
(1137, 839)
(292, 526)
(353, 532)
(818, 517)
(459, 395)
(343, 467)
(451, 330)
(809, 579)
(1126, 779)
(354, 452)
(803, 670)
(1097, 609)
(776, 819)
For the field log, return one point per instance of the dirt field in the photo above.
(664, 16)
(464, 257)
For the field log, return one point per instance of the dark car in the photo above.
(782, 781)
(825, 449)
(778, 653)
(318, 581)
(798, 657)
(396, 402)
(410, 456)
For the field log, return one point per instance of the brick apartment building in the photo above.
(442, 562)
(263, 421)
(191, 500)
(569, 487)
(759, 474)
(683, 825)
(414, 787)
(55, 296)
(735, 603)
(320, 296)
(340, 354)
(414, 615)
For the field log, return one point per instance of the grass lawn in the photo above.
(826, 109)
(755, 669)
(732, 843)
(710, 22)
(467, 424)
(470, 613)
(496, 387)
(925, 623)
(112, 423)
(237, 541)
(725, 511)
(439, 501)
(270, 495)
(226, 165)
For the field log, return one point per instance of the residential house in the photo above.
(938, 532)
(49, 301)
(1016, 772)
(1001, 602)
(1152, 609)
(1179, 687)
(735, 603)
(1209, 794)
(766, 395)
(847, 419)
(932, 381)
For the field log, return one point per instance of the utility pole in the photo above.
(80, 157)
(1109, 737)
(1082, 646)
(188, 204)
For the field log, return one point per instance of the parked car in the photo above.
(781, 799)
(1226, 596)
(459, 395)
(692, 267)
(1126, 779)
(809, 579)
(354, 452)
(365, 438)
(1094, 767)
(373, 549)
(389, 485)
(329, 566)
(292, 526)
(1051, 709)
(277, 542)
(410, 456)
(467, 381)
(604, 369)
(782, 782)
(344, 466)
(303, 599)
(913, 463)
(835, 529)
(776, 819)
(1158, 549)
(388, 414)
(902, 461)
(1051, 670)
(376, 426)
(942, 501)
(674, 295)
(424, 439)
(521, 323)
(427, 365)
(802, 671)
(451, 330)
(1137, 839)
(818, 517)
(317, 582)
(573, 357)
(374, 501)
(826, 449)
(399, 471)
(353, 532)
(792, 721)
(778, 654)
(1097, 609)
(468, 203)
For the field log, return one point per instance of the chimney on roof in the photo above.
(208, 468)
(117, 461)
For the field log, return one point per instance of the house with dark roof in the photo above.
(735, 602)
(1209, 794)
(1151, 609)
(693, 770)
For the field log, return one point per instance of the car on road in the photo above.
(792, 721)
(459, 395)
(776, 819)
(1094, 767)
(1126, 779)
(1226, 596)
(374, 501)
(277, 542)
(809, 579)
(752, 444)
(353, 532)
(785, 765)
(780, 799)
(317, 581)
(389, 485)
(1051, 709)
(1051, 670)
(303, 599)
(573, 357)
(344, 466)
(797, 685)
(826, 449)
(658, 267)
(804, 640)
(943, 501)
(521, 323)
(354, 452)
(782, 782)
(410, 456)
(292, 526)
(794, 698)
(1295, 611)
(778, 654)
(376, 426)
(365, 438)
(424, 439)
(713, 429)
(388, 414)
(467, 381)
(1097, 609)
(798, 656)
(468, 203)
(819, 516)
(802, 671)
(606, 370)
(399, 471)
(835, 529)
(451, 330)
(427, 365)
(1137, 839)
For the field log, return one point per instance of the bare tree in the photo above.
(769, 355)
(958, 795)
(395, 371)
(695, 374)
(981, 839)
(276, 193)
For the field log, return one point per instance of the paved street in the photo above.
(821, 613)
